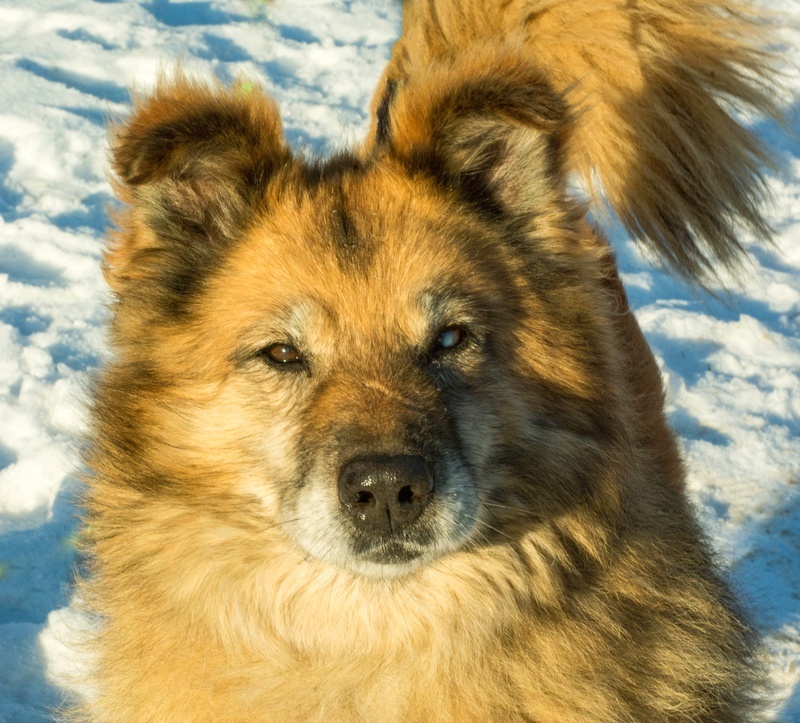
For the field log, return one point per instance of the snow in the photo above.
(731, 367)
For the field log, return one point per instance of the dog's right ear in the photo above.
(192, 163)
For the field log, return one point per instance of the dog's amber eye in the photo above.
(282, 354)
(450, 337)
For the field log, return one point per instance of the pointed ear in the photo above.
(192, 162)
(486, 125)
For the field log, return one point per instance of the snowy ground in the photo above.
(66, 66)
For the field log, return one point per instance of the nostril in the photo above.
(406, 496)
(363, 497)
(381, 494)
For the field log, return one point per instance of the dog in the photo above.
(381, 439)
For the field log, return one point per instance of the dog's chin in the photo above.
(385, 560)
(385, 570)
(379, 559)
(390, 558)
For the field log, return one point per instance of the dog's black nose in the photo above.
(382, 494)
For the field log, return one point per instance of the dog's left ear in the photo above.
(193, 161)
(486, 126)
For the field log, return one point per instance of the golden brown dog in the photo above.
(382, 440)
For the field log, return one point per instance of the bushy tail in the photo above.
(656, 88)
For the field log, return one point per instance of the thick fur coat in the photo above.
(381, 439)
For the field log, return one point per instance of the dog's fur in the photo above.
(451, 304)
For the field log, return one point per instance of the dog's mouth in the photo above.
(392, 556)
(390, 551)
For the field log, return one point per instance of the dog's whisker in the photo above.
(521, 510)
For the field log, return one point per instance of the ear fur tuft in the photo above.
(192, 161)
(186, 125)
(487, 126)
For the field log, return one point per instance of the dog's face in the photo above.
(385, 354)
(368, 324)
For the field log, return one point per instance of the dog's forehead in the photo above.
(370, 241)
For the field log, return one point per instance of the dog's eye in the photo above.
(450, 338)
(282, 354)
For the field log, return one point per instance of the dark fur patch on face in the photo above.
(348, 245)
(319, 172)
(382, 114)
(326, 183)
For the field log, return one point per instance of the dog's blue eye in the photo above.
(450, 337)
(283, 354)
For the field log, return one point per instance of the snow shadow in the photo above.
(686, 358)
(25, 319)
(188, 13)
(96, 117)
(7, 457)
(298, 34)
(101, 89)
(772, 575)
(782, 140)
(85, 36)
(791, 706)
(688, 426)
(26, 694)
(72, 353)
(35, 576)
(91, 214)
(218, 47)
(689, 361)
(768, 579)
(37, 564)
(23, 268)
(9, 198)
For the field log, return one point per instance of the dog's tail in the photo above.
(655, 88)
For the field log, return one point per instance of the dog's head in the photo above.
(392, 354)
